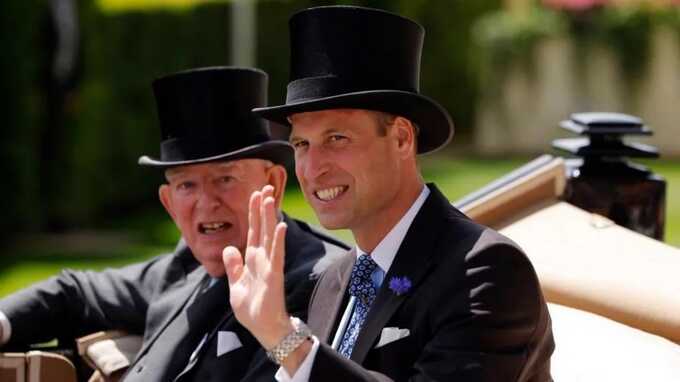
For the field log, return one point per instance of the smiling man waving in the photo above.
(427, 294)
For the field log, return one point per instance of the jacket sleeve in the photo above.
(75, 303)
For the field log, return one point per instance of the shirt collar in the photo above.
(384, 252)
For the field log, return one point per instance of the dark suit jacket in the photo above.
(475, 310)
(163, 300)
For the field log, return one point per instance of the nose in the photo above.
(312, 164)
(209, 197)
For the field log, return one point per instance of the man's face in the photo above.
(347, 170)
(209, 204)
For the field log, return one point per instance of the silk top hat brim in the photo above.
(360, 58)
(205, 115)
(434, 123)
(276, 151)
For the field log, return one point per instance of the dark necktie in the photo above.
(361, 287)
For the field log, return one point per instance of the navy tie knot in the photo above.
(361, 285)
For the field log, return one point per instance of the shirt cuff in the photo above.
(305, 369)
(5, 329)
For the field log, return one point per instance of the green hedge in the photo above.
(504, 36)
(19, 116)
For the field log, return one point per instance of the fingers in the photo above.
(233, 264)
(254, 219)
(267, 218)
(267, 190)
(261, 218)
(269, 221)
(278, 253)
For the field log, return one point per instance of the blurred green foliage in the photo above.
(18, 105)
(505, 35)
(113, 6)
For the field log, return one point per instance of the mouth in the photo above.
(331, 193)
(213, 227)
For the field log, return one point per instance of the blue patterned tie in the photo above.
(361, 287)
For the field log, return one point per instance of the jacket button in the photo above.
(140, 368)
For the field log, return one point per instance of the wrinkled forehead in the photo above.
(238, 165)
(327, 114)
(318, 122)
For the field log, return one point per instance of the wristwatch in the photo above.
(289, 343)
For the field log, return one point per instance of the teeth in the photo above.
(212, 227)
(329, 193)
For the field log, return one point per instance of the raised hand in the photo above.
(256, 281)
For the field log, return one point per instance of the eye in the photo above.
(337, 138)
(227, 179)
(185, 186)
(300, 144)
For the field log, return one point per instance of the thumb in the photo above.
(233, 264)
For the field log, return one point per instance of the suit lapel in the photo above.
(327, 302)
(186, 289)
(414, 259)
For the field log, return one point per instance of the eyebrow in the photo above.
(228, 165)
(329, 131)
(172, 172)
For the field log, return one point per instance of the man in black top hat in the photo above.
(215, 153)
(427, 294)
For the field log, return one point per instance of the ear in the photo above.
(405, 134)
(277, 176)
(166, 199)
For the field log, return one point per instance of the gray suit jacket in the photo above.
(163, 299)
(475, 311)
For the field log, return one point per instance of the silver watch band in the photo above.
(289, 343)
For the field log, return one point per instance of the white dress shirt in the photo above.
(5, 329)
(383, 255)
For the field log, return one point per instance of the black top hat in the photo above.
(362, 58)
(205, 115)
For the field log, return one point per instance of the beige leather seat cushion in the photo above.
(586, 261)
(595, 348)
(109, 353)
(36, 366)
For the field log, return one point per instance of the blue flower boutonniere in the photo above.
(400, 285)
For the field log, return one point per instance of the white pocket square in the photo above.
(226, 342)
(389, 335)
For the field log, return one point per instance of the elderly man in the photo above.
(215, 153)
(427, 294)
